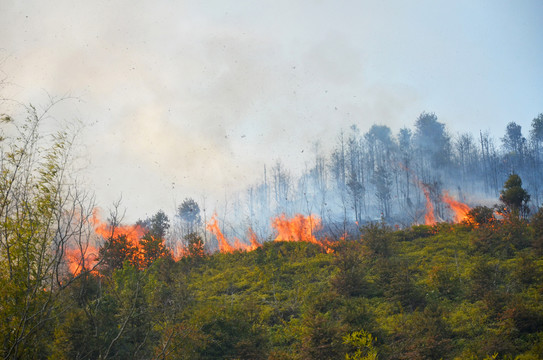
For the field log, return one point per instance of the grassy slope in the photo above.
(435, 296)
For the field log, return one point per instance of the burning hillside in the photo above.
(298, 228)
(459, 210)
(86, 257)
(225, 245)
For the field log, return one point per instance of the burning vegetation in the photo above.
(224, 244)
(131, 242)
(128, 242)
(428, 292)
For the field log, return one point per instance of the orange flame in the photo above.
(298, 228)
(133, 233)
(429, 217)
(253, 239)
(213, 227)
(224, 245)
(179, 252)
(82, 259)
(460, 210)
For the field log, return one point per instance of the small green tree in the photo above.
(152, 243)
(378, 238)
(350, 279)
(480, 216)
(195, 247)
(514, 197)
(152, 249)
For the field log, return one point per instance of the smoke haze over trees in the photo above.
(384, 175)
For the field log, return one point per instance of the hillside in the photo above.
(447, 291)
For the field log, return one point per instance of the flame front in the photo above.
(224, 245)
(213, 227)
(429, 217)
(82, 259)
(298, 228)
(133, 233)
(86, 258)
(253, 239)
(460, 210)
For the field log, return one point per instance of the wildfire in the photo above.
(86, 258)
(224, 245)
(298, 228)
(429, 217)
(133, 233)
(82, 259)
(253, 239)
(460, 210)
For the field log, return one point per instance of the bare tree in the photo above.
(281, 187)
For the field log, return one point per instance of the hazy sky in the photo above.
(191, 98)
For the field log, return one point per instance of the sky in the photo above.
(185, 99)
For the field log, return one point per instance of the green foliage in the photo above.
(189, 214)
(514, 197)
(39, 211)
(422, 335)
(376, 236)
(195, 246)
(231, 332)
(351, 270)
(537, 226)
(322, 336)
(152, 249)
(362, 342)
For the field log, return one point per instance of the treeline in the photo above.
(379, 174)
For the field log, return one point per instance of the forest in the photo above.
(415, 246)
(367, 177)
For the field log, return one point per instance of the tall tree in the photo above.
(318, 175)
(490, 163)
(157, 225)
(466, 152)
(406, 156)
(432, 142)
(189, 214)
(355, 178)
(514, 144)
(281, 187)
(536, 143)
(383, 183)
